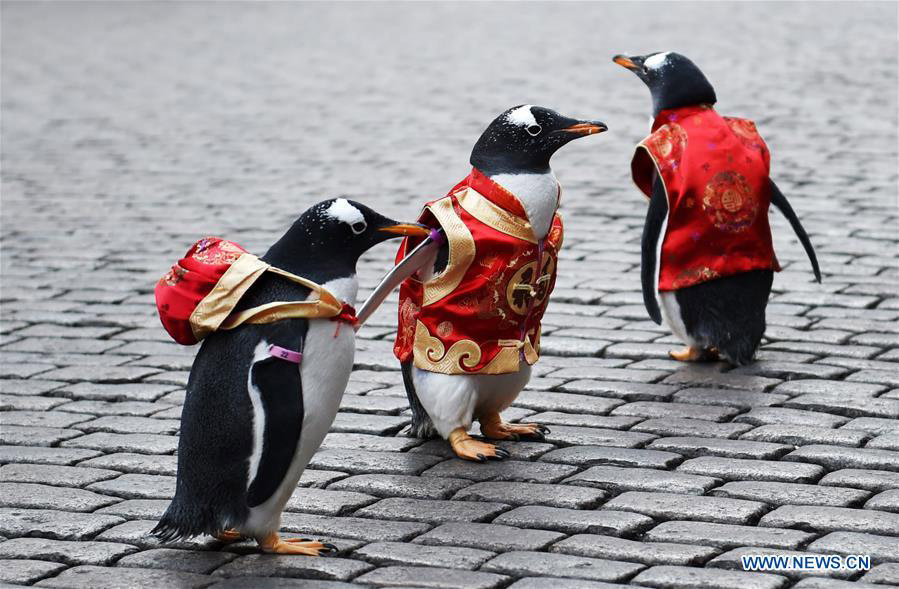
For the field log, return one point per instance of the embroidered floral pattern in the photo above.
(730, 202)
(212, 250)
(173, 276)
(692, 276)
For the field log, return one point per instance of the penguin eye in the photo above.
(534, 130)
(359, 227)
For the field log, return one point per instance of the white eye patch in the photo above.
(522, 116)
(656, 61)
(343, 211)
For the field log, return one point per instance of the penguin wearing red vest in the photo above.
(707, 255)
(261, 396)
(469, 321)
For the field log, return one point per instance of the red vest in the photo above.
(715, 171)
(482, 314)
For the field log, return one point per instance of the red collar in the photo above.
(672, 115)
(347, 315)
(493, 192)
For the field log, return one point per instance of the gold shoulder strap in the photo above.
(215, 310)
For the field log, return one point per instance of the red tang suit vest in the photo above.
(715, 170)
(481, 314)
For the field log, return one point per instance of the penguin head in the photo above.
(522, 139)
(674, 81)
(335, 233)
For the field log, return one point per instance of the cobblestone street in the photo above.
(131, 130)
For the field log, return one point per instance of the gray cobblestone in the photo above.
(800, 435)
(837, 457)
(85, 577)
(753, 470)
(270, 565)
(885, 442)
(781, 416)
(177, 560)
(432, 510)
(872, 480)
(56, 525)
(431, 578)
(884, 574)
(507, 470)
(694, 447)
(792, 494)
(352, 527)
(626, 391)
(880, 548)
(612, 548)
(585, 436)
(137, 486)
(53, 474)
(138, 443)
(70, 553)
(401, 486)
(726, 535)
(677, 427)
(571, 521)
(400, 553)
(885, 501)
(20, 435)
(27, 572)
(560, 583)
(362, 462)
(599, 455)
(668, 506)
(533, 494)
(728, 397)
(33, 496)
(563, 565)
(493, 537)
(673, 577)
(42, 455)
(829, 519)
(631, 479)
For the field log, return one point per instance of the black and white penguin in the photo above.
(513, 152)
(252, 421)
(724, 315)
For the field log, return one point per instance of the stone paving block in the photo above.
(794, 388)
(599, 455)
(319, 479)
(626, 391)
(33, 496)
(753, 470)
(401, 553)
(101, 374)
(885, 501)
(137, 443)
(137, 486)
(862, 407)
(676, 577)
(654, 410)
(371, 404)
(43, 419)
(505, 470)
(86, 577)
(726, 535)
(784, 416)
(382, 485)
(30, 386)
(885, 377)
(177, 560)
(824, 583)
(23, 369)
(728, 398)
(351, 527)
(602, 374)
(885, 442)
(514, 493)
(732, 560)
(136, 463)
(792, 370)
(830, 519)
(493, 537)
(114, 408)
(572, 521)
(553, 401)
(702, 377)
(27, 572)
(431, 578)
(95, 391)
(560, 583)
(363, 462)
(883, 574)
(516, 450)
(130, 425)
(55, 475)
(279, 583)
(327, 502)
(137, 533)
(618, 480)
(432, 510)
(562, 565)
(28, 403)
(695, 447)
(679, 427)
(56, 525)
(70, 553)
(792, 494)
(879, 548)
(873, 425)
(871, 480)
(837, 457)
(650, 553)
(368, 424)
(669, 506)
(19, 435)
(578, 420)
(307, 567)
(801, 435)
(137, 508)
(367, 442)
(580, 436)
(44, 455)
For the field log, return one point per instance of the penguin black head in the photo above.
(332, 234)
(673, 79)
(522, 139)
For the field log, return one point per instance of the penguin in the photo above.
(255, 414)
(707, 255)
(469, 321)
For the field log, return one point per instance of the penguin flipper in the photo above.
(780, 201)
(280, 390)
(652, 229)
(422, 426)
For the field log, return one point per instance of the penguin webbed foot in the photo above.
(273, 544)
(695, 354)
(229, 536)
(493, 427)
(469, 448)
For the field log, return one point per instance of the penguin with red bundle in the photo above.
(267, 382)
(707, 255)
(469, 322)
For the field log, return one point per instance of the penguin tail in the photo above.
(184, 520)
(422, 426)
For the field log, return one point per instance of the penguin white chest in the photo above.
(538, 193)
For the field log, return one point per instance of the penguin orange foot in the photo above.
(468, 448)
(695, 354)
(275, 545)
(495, 428)
(229, 536)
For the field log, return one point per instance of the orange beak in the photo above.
(410, 229)
(625, 61)
(586, 128)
